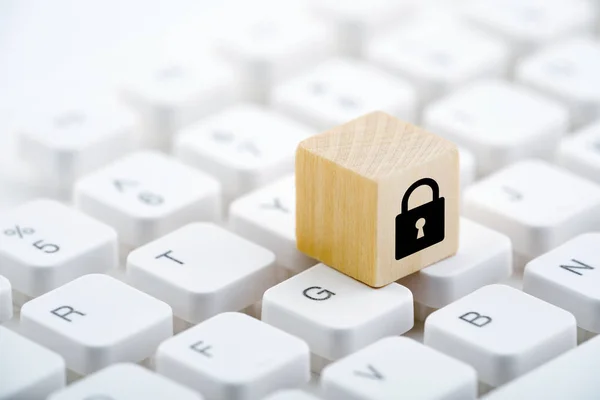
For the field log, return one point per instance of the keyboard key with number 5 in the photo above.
(45, 244)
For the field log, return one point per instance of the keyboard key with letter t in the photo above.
(28, 371)
(377, 198)
(335, 314)
(202, 270)
(236, 357)
(95, 321)
(501, 332)
(148, 194)
(538, 205)
(399, 368)
(569, 277)
(125, 381)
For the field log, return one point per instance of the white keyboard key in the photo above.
(245, 147)
(537, 205)
(324, 98)
(172, 92)
(146, 195)
(68, 142)
(125, 381)
(236, 357)
(291, 394)
(202, 270)
(580, 153)
(95, 321)
(484, 257)
(527, 24)
(335, 314)
(28, 371)
(357, 22)
(499, 122)
(274, 47)
(570, 376)
(267, 216)
(439, 56)
(398, 368)
(45, 244)
(6, 306)
(500, 331)
(467, 167)
(569, 277)
(567, 71)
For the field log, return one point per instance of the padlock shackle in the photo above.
(435, 189)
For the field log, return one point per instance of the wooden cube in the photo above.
(377, 198)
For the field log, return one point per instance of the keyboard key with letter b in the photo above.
(501, 332)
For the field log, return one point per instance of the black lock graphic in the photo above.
(422, 226)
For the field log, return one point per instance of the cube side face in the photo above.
(427, 230)
(336, 216)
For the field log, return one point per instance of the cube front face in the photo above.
(377, 198)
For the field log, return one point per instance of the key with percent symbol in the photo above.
(45, 244)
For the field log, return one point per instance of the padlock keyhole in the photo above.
(419, 225)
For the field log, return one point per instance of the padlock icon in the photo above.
(422, 226)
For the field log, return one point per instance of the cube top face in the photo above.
(377, 198)
(377, 146)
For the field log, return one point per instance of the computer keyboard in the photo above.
(147, 200)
